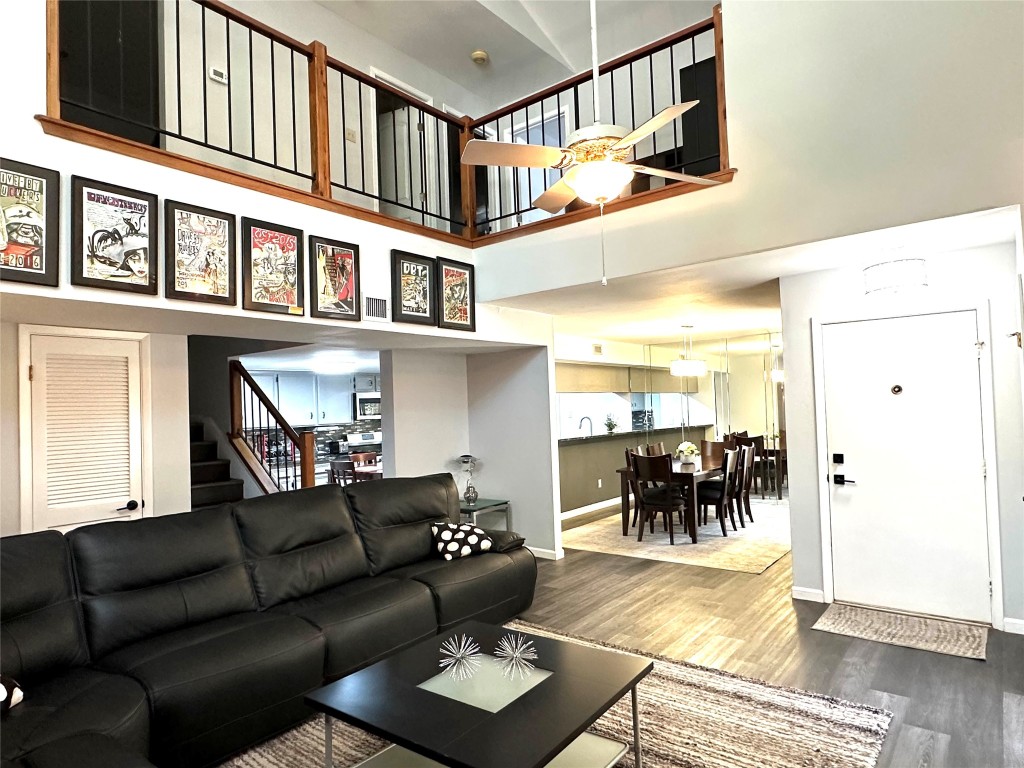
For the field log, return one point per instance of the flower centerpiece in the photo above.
(687, 451)
(610, 423)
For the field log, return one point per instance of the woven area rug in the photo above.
(952, 638)
(690, 717)
(750, 550)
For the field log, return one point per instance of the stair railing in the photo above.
(278, 457)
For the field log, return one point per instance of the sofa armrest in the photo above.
(505, 541)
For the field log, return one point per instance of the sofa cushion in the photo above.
(300, 542)
(366, 620)
(492, 587)
(40, 627)
(144, 577)
(85, 750)
(452, 541)
(208, 683)
(77, 701)
(393, 517)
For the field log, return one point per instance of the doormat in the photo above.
(952, 638)
(690, 717)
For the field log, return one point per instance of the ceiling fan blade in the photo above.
(664, 117)
(674, 175)
(480, 152)
(556, 197)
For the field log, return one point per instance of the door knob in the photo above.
(842, 480)
(131, 506)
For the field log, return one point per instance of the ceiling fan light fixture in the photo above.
(599, 181)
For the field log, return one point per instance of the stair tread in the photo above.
(202, 442)
(229, 481)
(209, 462)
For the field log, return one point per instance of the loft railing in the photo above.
(278, 457)
(216, 92)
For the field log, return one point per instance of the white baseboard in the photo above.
(1013, 626)
(813, 595)
(570, 513)
(547, 554)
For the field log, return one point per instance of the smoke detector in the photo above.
(480, 56)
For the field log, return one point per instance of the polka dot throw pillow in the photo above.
(452, 541)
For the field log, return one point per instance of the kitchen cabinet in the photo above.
(660, 380)
(367, 382)
(573, 377)
(334, 399)
(267, 382)
(296, 393)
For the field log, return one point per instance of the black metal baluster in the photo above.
(437, 162)
(408, 147)
(576, 106)
(394, 150)
(632, 98)
(598, 83)
(295, 143)
(206, 109)
(273, 96)
(498, 172)
(344, 134)
(693, 71)
(362, 148)
(544, 142)
(650, 70)
(252, 104)
(529, 171)
(177, 45)
(227, 69)
(672, 80)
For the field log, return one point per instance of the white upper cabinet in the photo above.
(334, 399)
(367, 382)
(296, 393)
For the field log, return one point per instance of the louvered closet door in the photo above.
(86, 430)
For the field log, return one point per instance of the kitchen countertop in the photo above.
(637, 435)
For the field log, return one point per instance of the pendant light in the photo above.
(687, 365)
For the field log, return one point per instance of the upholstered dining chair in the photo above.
(718, 493)
(654, 492)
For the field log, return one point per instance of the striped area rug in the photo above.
(952, 638)
(690, 717)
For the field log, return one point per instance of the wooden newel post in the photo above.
(723, 138)
(468, 183)
(319, 121)
(235, 399)
(307, 457)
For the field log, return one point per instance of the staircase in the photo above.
(211, 475)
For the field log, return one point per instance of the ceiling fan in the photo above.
(595, 158)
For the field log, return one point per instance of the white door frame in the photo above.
(25, 334)
(988, 422)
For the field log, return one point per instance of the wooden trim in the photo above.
(307, 458)
(52, 59)
(723, 137)
(468, 174)
(319, 122)
(82, 135)
(584, 77)
(238, 373)
(592, 211)
(252, 464)
(381, 85)
(255, 25)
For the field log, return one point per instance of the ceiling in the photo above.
(532, 43)
(319, 358)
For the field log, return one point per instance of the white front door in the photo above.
(86, 430)
(903, 407)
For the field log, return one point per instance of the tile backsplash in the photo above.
(340, 431)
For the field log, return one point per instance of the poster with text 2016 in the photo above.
(29, 226)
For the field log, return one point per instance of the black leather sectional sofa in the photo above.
(180, 640)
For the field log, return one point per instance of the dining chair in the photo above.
(748, 478)
(654, 492)
(714, 450)
(716, 493)
(343, 471)
(764, 467)
(655, 449)
(641, 450)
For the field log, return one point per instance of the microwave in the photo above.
(366, 405)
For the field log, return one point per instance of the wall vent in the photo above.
(598, 349)
(375, 309)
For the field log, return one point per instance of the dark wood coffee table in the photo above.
(516, 723)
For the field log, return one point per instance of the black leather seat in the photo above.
(83, 750)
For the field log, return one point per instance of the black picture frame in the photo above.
(114, 238)
(418, 275)
(214, 251)
(325, 274)
(273, 280)
(456, 292)
(29, 212)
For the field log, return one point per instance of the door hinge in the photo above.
(990, 588)
(984, 469)
(30, 373)
(980, 345)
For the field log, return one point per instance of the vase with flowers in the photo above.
(687, 452)
(610, 423)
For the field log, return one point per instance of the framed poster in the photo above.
(333, 279)
(113, 237)
(456, 295)
(29, 223)
(271, 267)
(199, 254)
(413, 293)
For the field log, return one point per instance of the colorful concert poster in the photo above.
(272, 271)
(200, 254)
(334, 279)
(412, 288)
(23, 225)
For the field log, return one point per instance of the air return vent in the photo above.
(375, 309)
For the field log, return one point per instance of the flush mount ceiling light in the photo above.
(687, 365)
(895, 276)
(480, 56)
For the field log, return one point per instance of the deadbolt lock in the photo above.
(896, 389)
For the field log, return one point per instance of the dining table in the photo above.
(686, 475)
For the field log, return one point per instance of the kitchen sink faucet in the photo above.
(591, 423)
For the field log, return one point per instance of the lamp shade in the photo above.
(685, 367)
(598, 181)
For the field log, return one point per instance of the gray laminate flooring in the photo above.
(949, 711)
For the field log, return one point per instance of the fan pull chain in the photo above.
(604, 276)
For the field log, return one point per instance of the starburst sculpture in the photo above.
(514, 654)
(460, 657)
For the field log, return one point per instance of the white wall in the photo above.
(843, 118)
(424, 402)
(964, 277)
(573, 407)
(172, 485)
(748, 408)
(10, 494)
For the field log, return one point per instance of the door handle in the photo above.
(323, 414)
(842, 480)
(131, 506)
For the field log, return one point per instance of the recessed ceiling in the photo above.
(532, 43)
(318, 358)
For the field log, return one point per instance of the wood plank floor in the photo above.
(949, 711)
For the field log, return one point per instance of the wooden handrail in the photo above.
(256, 26)
(236, 369)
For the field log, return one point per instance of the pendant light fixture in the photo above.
(687, 365)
